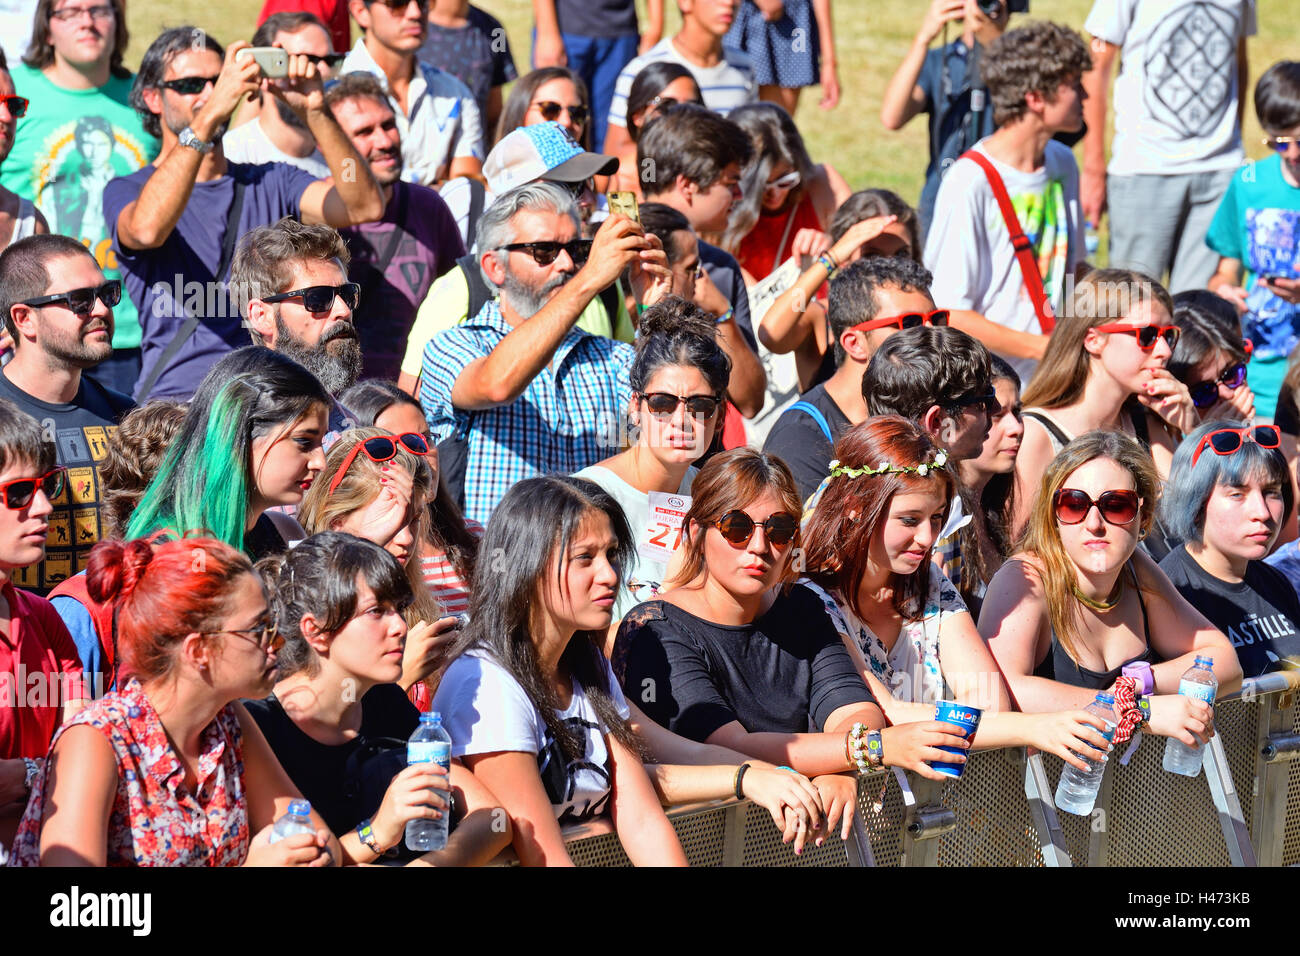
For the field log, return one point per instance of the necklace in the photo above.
(1108, 604)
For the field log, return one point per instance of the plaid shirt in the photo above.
(569, 417)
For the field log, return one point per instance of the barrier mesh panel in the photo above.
(701, 836)
(1291, 844)
(880, 802)
(763, 846)
(1237, 722)
(994, 825)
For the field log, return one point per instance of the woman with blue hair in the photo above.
(1227, 497)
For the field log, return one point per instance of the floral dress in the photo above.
(910, 670)
(156, 820)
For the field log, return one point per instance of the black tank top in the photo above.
(1058, 666)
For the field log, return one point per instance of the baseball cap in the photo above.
(542, 151)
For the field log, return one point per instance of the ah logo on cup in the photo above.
(676, 503)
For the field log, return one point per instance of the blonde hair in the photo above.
(321, 510)
(1042, 537)
(1102, 296)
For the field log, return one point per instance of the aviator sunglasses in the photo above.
(379, 449)
(1117, 507)
(18, 494)
(738, 528)
(1227, 441)
(1147, 335)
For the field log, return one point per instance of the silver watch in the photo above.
(188, 138)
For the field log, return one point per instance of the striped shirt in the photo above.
(570, 416)
(444, 581)
(724, 87)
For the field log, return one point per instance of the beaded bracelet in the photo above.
(856, 751)
(829, 263)
(724, 317)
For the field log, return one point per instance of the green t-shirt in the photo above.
(66, 149)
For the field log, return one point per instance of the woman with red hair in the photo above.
(169, 770)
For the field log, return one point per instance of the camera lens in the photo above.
(990, 8)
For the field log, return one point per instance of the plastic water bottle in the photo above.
(1077, 791)
(1199, 683)
(429, 743)
(296, 820)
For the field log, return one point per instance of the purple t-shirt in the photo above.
(428, 245)
(163, 281)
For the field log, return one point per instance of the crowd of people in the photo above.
(339, 394)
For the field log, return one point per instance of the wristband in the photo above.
(724, 317)
(367, 836)
(875, 749)
(828, 262)
(859, 748)
(740, 775)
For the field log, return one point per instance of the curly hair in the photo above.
(135, 451)
(1036, 58)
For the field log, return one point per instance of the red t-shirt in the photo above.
(333, 13)
(40, 670)
(759, 254)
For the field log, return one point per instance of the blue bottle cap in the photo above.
(1204, 661)
(1105, 699)
(300, 808)
(431, 717)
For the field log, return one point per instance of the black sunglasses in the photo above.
(1116, 507)
(665, 404)
(82, 301)
(18, 494)
(399, 5)
(987, 400)
(1204, 393)
(320, 298)
(188, 85)
(738, 528)
(551, 112)
(332, 60)
(544, 253)
(16, 105)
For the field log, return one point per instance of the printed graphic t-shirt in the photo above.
(969, 249)
(66, 149)
(81, 430)
(485, 710)
(1176, 94)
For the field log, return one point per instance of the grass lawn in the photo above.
(872, 36)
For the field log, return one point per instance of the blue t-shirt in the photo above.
(1258, 224)
(162, 282)
(954, 128)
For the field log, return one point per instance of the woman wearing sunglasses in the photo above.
(1104, 369)
(1080, 601)
(528, 698)
(786, 200)
(679, 378)
(169, 769)
(1227, 498)
(251, 440)
(377, 486)
(1211, 361)
(338, 721)
(907, 630)
(657, 87)
(739, 658)
(552, 94)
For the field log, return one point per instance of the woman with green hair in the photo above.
(250, 442)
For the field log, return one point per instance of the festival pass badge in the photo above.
(663, 533)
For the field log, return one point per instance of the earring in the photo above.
(633, 428)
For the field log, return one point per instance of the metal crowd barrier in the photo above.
(1242, 810)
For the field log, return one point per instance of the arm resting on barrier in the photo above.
(513, 774)
(643, 829)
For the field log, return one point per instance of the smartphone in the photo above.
(624, 203)
(273, 60)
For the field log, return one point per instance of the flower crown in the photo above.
(885, 467)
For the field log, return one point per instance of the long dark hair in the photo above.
(532, 527)
(521, 97)
(447, 529)
(649, 83)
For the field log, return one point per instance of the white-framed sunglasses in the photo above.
(788, 181)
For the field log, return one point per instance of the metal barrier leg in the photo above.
(1224, 792)
(1051, 839)
(733, 835)
(858, 846)
(1268, 822)
(1100, 822)
(926, 819)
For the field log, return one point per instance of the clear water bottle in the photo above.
(297, 819)
(429, 743)
(1077, 791)
(1198, 683)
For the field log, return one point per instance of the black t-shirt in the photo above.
(786, 672)
(1287, 416)
(81, 430)
(345, 783)
(596, 18)
(1260, 615)
(724, 272)
(798, 439)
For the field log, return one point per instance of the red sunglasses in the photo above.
(17, 105)
(908, 320)
(18, 493)
(1116, 507)
(1227, 441)
(1147, 335)
(381, 448)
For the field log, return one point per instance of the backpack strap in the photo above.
(479, 293)
(1019, 241)
(101, 616)
(815, 413)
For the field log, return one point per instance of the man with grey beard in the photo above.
(528, 391)
(290, 281)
